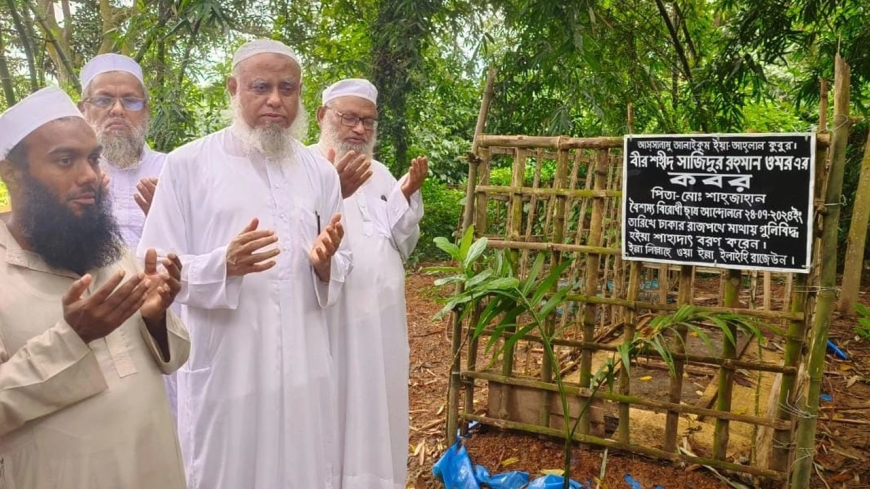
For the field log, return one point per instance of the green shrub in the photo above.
(442, 214)
(4, 197)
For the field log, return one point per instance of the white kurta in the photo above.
(369, 334)
(76, 415)
(122, 189)
(256, 401)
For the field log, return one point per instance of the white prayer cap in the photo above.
(32, 113)
(356, 87)
(263, 46)
(105, 63)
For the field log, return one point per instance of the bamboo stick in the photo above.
(767, 291)
(678, 347)
(627, 399)
(533, 208)
(651, 353)
(598, 250)
(592, 265)
(726, 376)
(467, 219)
(655, 306)
(828, 278)
(634, 277)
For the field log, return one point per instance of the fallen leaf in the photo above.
(509, 461)
(845, 368)
(553, 471)
(646, 377)
(852, 380)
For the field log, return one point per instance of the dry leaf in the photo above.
(646, 377)
(852, 380)
(553, 471)
(509, 461)
(845, 368)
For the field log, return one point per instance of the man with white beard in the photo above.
(368, 326)
(257, 397)
(115, 103)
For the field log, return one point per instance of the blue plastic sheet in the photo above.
(454, 468)
(553, 482)
(836, 351)
(635, 484)
(507, 480)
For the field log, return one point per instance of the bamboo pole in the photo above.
(547, 366)
(627, 399)
(467, 219)
(533, 209)
(826, 296)
(514, 227)
(640, 450)
(634, 277)
(592, 265)
(678, 347)
(655, 306)
(726, 376)
(562, 142)
(854, 264)
(652, 353)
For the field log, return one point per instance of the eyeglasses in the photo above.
(133, 104)
(351, 120)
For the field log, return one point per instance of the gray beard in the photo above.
(329, 138)
(273, 141)
(123, 150)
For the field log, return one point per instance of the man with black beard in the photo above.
(115, 103)
(82, 403)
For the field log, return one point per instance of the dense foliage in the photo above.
(563, 67)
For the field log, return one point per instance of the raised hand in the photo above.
(106, 309)
(416, 175)
(353, 170)
(145, 193)
(242, 258)
(325, 247)
(164, 285)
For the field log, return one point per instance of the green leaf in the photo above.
(446, 246)
(479, 278)
(449, 280)
(465, 243)
(503, 283)
(474, 252)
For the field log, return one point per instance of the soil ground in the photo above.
(843, 436)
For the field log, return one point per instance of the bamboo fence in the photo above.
(564, 199)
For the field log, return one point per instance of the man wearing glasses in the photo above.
(368, 325)
(115, 103)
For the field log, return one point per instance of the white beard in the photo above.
(123, 150)
(273, 141)
(329, 138)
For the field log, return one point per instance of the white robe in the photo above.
(369, 334)
(256, 400)
(122, 189)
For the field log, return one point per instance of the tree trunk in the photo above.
(5, 77)
(857, 239)
(24, 40)
(57, 49)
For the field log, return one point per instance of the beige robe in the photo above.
(76, 415)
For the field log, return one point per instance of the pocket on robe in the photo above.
(304, 235)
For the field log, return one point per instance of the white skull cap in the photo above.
(263, 46)
(105, 63)
(33, 112)
(356, 87)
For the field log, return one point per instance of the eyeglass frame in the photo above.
(114, 100)
(345, 118)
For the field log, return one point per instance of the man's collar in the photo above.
(16, 255)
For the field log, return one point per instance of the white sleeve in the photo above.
(342, 261)
(404, 218)
(204, 281)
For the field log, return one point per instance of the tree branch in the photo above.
(45, 23)
(25, 44)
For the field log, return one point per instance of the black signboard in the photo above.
(724, 200)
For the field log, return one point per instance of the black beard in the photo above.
(64, 240)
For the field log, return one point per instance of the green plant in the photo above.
(487, 282)
(863, 327)
(443, 208)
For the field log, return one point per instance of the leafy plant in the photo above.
(488, 281)
(863, 327)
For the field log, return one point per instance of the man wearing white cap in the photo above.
(82, 403)
(115, 102)
(255, 217)
(368, 326)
